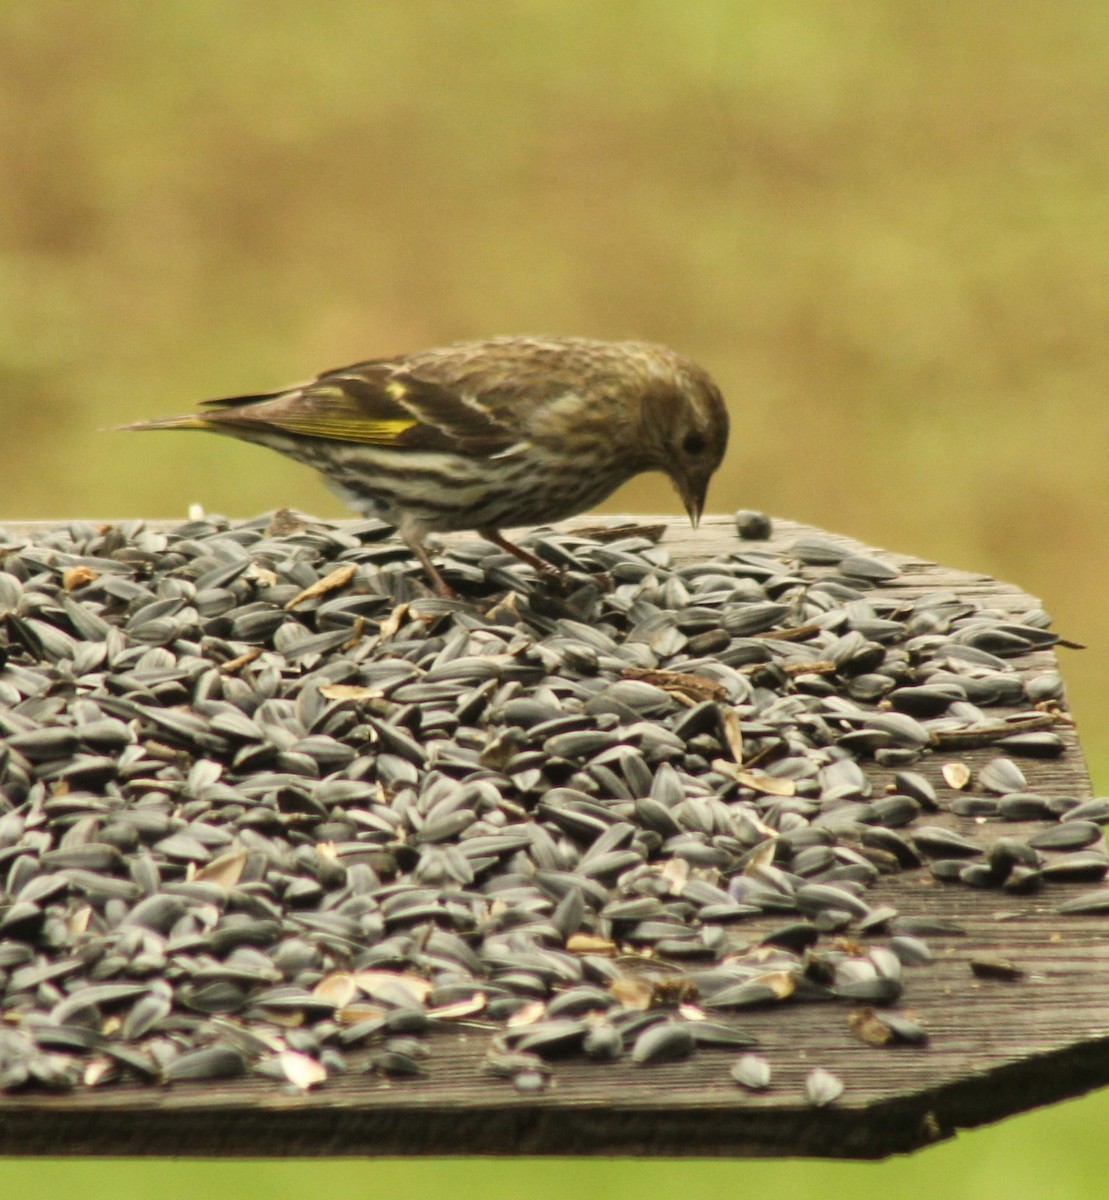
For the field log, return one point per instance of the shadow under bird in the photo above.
(489, 434)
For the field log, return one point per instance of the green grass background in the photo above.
(882, 226)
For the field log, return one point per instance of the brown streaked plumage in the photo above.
(490, 434)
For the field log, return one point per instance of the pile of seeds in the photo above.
(268, 806)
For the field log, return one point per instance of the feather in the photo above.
(373, 404)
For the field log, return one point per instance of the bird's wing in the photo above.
(380, 404)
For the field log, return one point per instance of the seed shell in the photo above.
(752, 1072)
(822, 1087)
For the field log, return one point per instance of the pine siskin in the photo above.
(487, 434)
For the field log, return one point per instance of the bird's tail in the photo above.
(188, 422)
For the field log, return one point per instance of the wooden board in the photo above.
(996, 1047)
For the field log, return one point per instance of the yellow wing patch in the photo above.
(342, 429)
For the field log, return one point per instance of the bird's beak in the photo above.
(692, 492)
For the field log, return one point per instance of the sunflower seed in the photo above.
(663, 1043)
(478, 807)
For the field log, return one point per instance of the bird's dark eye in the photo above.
(693, 444)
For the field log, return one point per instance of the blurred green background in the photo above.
(882, 226)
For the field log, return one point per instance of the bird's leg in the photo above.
(545, 569)
(441, 586)
(548, 570)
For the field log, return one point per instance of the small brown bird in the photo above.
(490, 434)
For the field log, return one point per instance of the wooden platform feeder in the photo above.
(997, 1047)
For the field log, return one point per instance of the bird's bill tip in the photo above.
(693, 497)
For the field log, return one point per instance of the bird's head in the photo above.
(684, 430)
